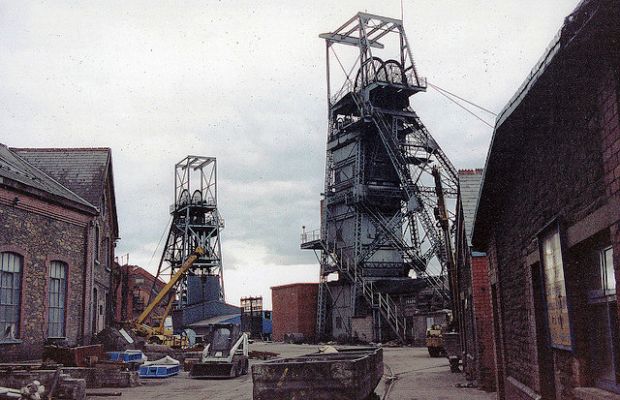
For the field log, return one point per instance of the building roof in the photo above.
(15, 168)
(219, 319)
(469, 190)
(82, 170)
(136, 270)
(290, 285)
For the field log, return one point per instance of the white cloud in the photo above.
(245, 82)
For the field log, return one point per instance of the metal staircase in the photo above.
(377, 300)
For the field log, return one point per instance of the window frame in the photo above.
(65, 289)
(601, 294)
(97, 247)
(20, 280)
(604, 300)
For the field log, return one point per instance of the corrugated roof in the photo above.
(16, 168)
(82, 170)
(470, 181)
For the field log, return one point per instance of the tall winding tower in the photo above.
(383, 172)
(195, 221)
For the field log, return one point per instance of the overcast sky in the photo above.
(243, 81)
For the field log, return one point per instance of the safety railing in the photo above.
(389, 72)
(310, 236)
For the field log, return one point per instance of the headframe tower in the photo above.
(382, 175)
(195, 221)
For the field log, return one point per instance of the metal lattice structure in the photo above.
(379, 211)
(195, 221)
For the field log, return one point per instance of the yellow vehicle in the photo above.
(161, 334)
(434, 341)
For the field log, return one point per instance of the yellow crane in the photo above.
(158, 334)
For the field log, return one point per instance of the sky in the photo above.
(242, 81)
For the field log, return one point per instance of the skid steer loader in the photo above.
(226, 356)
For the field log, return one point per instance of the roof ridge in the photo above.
(476, 171)
(56, 149)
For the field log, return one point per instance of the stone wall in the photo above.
(41, 232)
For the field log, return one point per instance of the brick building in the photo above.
(294, 310)
(133, 294)
(549, 217)
(473, 308)
(59, 227)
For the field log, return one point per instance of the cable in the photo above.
(158, 243)
(460, 98)
(464, 108)
(348, 75)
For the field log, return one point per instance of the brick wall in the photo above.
(483, 317)
(139, 284)
(557, 159)
(294, 310)
(41, 232)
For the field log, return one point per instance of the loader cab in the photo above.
(224, 338)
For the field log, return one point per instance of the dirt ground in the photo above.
(417, 377)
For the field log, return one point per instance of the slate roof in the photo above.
(15, 168)
(470, 181)
(81, 170)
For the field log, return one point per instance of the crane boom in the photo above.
(199, 251)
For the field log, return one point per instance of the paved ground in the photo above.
(417, 375)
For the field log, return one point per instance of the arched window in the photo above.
(57, 298)
(11, 265)
(97, 239)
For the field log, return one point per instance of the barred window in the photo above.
(57, 298)
(10, 290)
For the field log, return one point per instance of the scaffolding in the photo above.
(195, 221)
(380, 201)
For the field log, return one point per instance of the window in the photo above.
(106, 253)
(603, 321)
(97, 244)
(57, 298)
(555, 290)
(608, 281)
(10, 290)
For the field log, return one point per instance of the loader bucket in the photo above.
(213, 370)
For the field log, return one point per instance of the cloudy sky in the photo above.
(243, 81)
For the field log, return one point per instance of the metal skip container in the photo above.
(349, 374)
